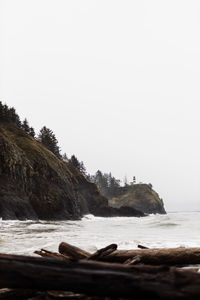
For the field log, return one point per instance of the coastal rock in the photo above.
(36, 184)
(141, 197)
(123, 211)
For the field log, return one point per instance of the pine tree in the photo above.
(25, 126)
(77, 164)
(14, 117)
(1, 111)
(5, 113)
(74, 161)
(108, 184)
(32, 132)
(48, 139)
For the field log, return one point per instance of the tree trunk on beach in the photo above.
(72, 252)
(168, 256)
(163, 256)
(98, 278)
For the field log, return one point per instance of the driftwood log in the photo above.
(99, 254)
(17, 294)
(72, 252)
(168, 256)
(46, 253)
(163, 256)
(98, 278)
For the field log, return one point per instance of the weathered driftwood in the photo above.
(168, 256)
(99, 254)
(163, 256)
(47, 253)
(98, 278)
(72, 252)
(132, 261)
(23, 294)
(8, 294)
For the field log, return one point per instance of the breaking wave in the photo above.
(91, 233)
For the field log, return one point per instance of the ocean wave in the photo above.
(167, 224)
(90, 217)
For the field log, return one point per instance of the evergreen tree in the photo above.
(108, 185)
(14, 117)
(74, 161)
(77, 164)
(48, 139)
(25, 126)
(5, 113)
(32, 132)
(9, 115)
(114, 185)
(1, 111)
(65, 158)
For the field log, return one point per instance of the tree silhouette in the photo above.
(78, 164)
(32, 132)
(48, 139)
(25, 126)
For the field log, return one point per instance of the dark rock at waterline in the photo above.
(123, 211)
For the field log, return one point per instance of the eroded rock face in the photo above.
(141, 197)
(35, 184)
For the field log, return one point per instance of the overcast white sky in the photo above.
(118, 82)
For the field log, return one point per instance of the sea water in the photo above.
(179, 229)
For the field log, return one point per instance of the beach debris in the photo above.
(94, 278)
(155, 256)
(73, 252)
(47, 253)
(101, 253)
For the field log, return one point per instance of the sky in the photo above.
(118, 82)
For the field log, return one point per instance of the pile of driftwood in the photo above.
(110, 273)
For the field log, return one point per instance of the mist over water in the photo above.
(91, 233)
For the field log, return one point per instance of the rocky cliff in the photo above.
(141, 197)
(36, 184)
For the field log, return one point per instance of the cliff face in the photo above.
(141, 197)
(35, 184)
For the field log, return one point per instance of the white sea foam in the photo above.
(91, 233)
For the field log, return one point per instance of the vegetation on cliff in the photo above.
(138, 196)
(36, 181)
(46, 136)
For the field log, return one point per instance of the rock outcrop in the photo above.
(141, 197)
(36, 184)
(123, 211)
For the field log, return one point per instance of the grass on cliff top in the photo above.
(34, 150)
(136, 193)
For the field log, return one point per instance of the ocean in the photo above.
(178, 229)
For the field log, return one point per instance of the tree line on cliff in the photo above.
(108, 184)
(45, 136)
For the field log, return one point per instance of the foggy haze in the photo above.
(116, 81)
